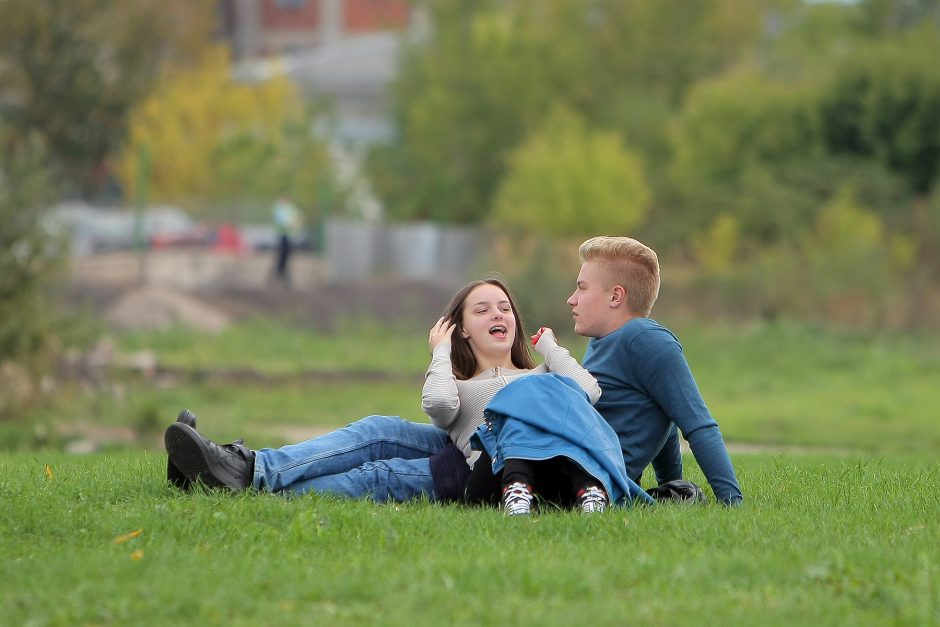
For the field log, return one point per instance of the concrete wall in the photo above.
(362, 250)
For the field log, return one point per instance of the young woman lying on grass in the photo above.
(478, 348)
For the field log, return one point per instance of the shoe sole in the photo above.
(187, 418)
(173, 474)
(186, 450)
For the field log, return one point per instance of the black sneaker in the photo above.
(196, 456)
(173, 474)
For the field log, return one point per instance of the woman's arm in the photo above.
(559, 360)
(439, 398)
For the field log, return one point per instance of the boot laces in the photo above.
(517, 499)
(592, 500)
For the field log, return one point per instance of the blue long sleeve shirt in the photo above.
(647, 388)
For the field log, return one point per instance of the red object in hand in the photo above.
(538, 334)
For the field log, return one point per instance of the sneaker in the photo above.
(173, 474)
(197, 457)
(517, 499)
(592, 500)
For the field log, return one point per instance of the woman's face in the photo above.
(489, 325)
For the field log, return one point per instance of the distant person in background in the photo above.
(287, 221)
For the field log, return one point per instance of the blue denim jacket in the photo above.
(548, 415)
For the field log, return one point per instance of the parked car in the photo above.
(94, 229)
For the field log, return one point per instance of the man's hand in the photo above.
(440, 332)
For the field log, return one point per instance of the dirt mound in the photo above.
(162, 308)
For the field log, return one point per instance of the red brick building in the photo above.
(265, 27)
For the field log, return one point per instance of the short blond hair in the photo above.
(629, 263)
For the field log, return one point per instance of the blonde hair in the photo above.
(628, 263)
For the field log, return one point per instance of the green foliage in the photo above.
(742, 143)
(847, 268)
(821, 540)
(490, 72)
(882, 104)
(29, 254)
(717, 248)
(213, 140)
(568, 181)
(888, 16)
(71, 70)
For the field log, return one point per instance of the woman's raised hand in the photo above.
(544, 340)
(440, 332)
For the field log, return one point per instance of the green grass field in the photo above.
(767, 385)
(822, 540)
(841, 530)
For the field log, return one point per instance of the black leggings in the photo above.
(557, 480)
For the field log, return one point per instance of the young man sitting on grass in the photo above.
(647, 388)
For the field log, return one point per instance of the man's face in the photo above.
(590, 302)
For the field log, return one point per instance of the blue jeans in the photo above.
(383, 458)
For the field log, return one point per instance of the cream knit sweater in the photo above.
(457, 406)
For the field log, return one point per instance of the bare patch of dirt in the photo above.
(180, 295)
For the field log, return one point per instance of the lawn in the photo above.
(821, 540)
(841, 530)
(767, 385)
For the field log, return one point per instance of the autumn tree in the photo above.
(71, 69)
(211, 140)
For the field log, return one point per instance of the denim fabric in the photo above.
(381, 457)
(549, 415)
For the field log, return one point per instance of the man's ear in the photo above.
(618, 296)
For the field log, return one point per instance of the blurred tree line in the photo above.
(70, 71)
(788, 151)
(91, 88)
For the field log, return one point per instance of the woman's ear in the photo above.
(464, 334)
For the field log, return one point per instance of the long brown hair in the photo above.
(461, 356)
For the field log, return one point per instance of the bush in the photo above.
(28, 259)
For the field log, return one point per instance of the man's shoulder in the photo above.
(642, 329)
(641, 338)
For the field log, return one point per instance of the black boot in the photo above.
(198, 457)
(173, 474)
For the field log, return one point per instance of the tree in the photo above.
(71, 69)
(29, 256)
(755, 148)
(741, 142)
(567, 180)
(491, 71)
(883, 103)
(211, 139)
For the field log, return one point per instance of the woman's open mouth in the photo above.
(498, 331)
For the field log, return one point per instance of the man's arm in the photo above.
(671, 384)
(668, 461)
